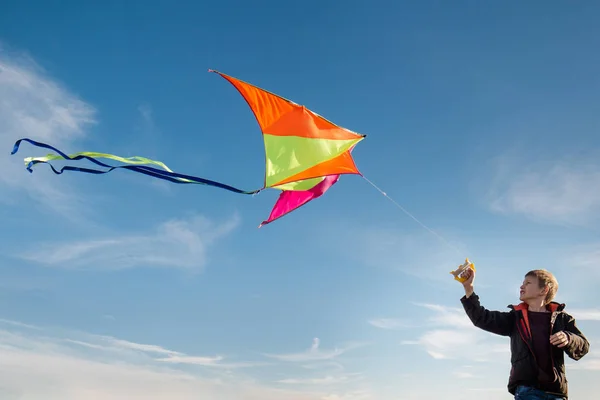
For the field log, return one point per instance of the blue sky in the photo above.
(482, 121)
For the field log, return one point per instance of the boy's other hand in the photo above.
(559, 339)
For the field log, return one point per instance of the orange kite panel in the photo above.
(302, 122)
(267, 107)
(281, 117)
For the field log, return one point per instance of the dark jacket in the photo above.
(515, 324)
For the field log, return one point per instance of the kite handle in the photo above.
(458, 272)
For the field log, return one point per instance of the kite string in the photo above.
(413, 217)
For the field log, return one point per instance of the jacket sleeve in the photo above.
(498, 322)
(578, 345)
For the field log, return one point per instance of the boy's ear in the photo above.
(545, 290)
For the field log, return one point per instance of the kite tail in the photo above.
(165, 173)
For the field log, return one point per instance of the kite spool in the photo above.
(458, 273)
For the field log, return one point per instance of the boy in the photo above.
(540, 334)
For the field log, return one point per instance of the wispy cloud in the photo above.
(353, 395)
(451, 335)
(175, 243)
(585, 314)
(565, 191)
(43, 365)
(145, 348)
(446, 316)
(326, 380)
(214, 361)
(391, 323)
(17, 323)
(315, 353)
(38, 362)
(158, 354)
(463, 374)
(34, 105)
(318, 368)
(107, 345)
(590, 362)
(206, 361)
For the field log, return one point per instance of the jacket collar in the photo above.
(552, 306)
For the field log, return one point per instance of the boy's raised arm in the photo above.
(497, 322)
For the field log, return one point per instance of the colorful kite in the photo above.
(305, 153)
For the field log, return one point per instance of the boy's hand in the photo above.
(468, 283)
(559, 339)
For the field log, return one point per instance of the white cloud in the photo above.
(454, 337)
(590, 362)
(93, 345)
(559, 191)
(176, 243)
(44, 363)
(585, 314)
(206, 361)
(17, 323)
(315, 353)
(329, 364)
(444, 316)
(325, 371)
(354, 395)
(216, 362)
(447, 316)
(326, 380)
(34, 105)
(390, 323)
(463, 374)
(145, 348)
(33, 369)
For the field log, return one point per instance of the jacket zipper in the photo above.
(552, 320)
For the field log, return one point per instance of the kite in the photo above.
(305, 153)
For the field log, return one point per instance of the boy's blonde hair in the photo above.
(545, 279)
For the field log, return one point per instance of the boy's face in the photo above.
(530, 289)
